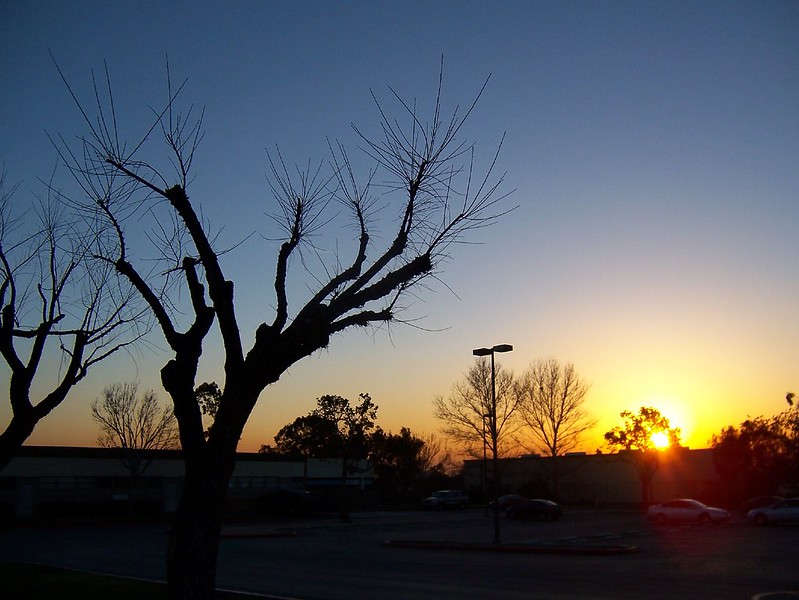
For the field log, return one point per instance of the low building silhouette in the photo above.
(52, 480)
(598, 479)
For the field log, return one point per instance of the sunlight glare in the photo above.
(660, 440)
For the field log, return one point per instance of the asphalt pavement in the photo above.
(588, 554)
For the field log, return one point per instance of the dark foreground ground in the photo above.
(319, 558)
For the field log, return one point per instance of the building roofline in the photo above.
(97, 452)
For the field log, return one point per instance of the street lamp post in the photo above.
(483, 466)
(493, 426)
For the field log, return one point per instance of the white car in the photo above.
(783, 511)
(686, 510)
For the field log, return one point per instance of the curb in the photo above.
(241, 535)
(598, 549)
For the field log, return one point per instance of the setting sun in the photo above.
(660, 440)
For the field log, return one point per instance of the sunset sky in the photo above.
(653, 148)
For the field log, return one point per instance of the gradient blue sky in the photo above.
(653, 146)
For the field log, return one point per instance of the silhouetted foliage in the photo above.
(208, 396)
(400, 463)
(311, 436)
(334, 429)
(432, 199)
(759, 457)
(789, 425)
(633, 442)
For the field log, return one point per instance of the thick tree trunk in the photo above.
(18, 430)
(194, 538)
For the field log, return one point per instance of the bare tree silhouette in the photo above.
(57, 304)
(435, 198)
(132, 424)
(465, 412)
(551, 399)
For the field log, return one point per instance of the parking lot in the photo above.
(320, 558)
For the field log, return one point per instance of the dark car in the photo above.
(446, 499)
(503, 502)
(535, 509)
(287, 501)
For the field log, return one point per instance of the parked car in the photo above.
(286, 501)
(503, 502)
(760, 502)
(783, 511)
(535, 509)
(686, 510)
(446, 499)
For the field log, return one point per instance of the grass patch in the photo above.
(35, 582)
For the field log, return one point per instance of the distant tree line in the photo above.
(405, 464)
(760, 456)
